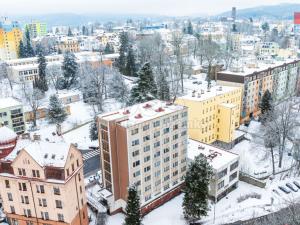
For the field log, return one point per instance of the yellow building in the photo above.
(214, 114)
(10, 37)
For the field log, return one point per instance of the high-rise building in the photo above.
(37, 29)
(214, 114)
(42, 182)
(233, 13)
(10, 37)
(143, 145)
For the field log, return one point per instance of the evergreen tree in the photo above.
(163, 88)
(22, 50)
(266, 102)
(42, 84)
(130, 69)
(93, 131)
(195, 200)
(109, 49)
(70, 32)
(29, 52)
(56, 111)
(124, 42)
(145, 88)
(70, 69)
(133, 214)
(189, 29)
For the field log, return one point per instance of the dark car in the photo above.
(297, 184)
(284, 189)
(292, 187)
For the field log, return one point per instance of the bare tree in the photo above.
(53, 74)
(271, 141)
(118, 89)
(101, 218)
(281, 123)
(33, 98)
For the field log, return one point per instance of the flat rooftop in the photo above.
(201, 93)
(216, 157)
(140, 113)
(9, 102)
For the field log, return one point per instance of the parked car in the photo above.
(284, 189)
(292, 187)
(276, 192)
(297, 184)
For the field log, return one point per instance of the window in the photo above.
(134, 131)
(167, 159)
(7, 185)
(77, 162)
(73, 168)
(234, 165)
(156, 144)
(175, 127)
(166, 130)
(146, 169)
(147, 158)
(21, 172)
(222, 173)
(184, 114)
(45, 215)
(166, 187)
(40, 189)
(146, 127)
(135, 153)
(157, 173)
(12, 209)
(166, 150)
(136, 174)
(157, 154)
(166, 177)
(36, 173)
(175, 173)
(135, 142)
(58, 204)
(147, 188)
(156, 134)
(79, 177)
(146, 138)
(233, 176)
(166, 140)
(175, 117)
(157, 164)
(27, 212)
(147, 178)
(156, 123)
(220, 185)
(136, 163)
(166, 120)
(147, 148)
(175, 137)
(9, 196)
(175, 164)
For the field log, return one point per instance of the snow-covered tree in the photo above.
(145, 88)
(29, 52)
(70, 32)
(22, 50)
(54, 76)
(163, 88)
(130, 68)
(133, 214)
(94, 130)
(42, 82)
(109, 49)
(70, 70)
(124, 44)
(196, 190)
(56, 111)
(266, 102)
(118, 88)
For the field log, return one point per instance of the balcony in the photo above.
(13, 116)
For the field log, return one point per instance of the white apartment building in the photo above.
(225, 167)
(143, 145)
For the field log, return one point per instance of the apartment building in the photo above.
(37, 29)
(225, 167)
(11, 114)
(214, 113)
(42, 183)
(280, 78)
(143, 145)
(67, 44)
(10, 37)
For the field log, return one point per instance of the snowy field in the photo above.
(227, 210)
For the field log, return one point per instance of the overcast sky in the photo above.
(162, 7)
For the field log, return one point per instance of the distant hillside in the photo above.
(281, 11)
(70, 19)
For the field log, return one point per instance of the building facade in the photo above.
(280, 79)
(225, 167)
(10, 37)
(42, 183)
(37, 29)
(12, 114)
(214, 114)
(143, 145)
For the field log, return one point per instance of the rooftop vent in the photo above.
(126, 112)
(199, 95)
(138, 116)
(193, 93)
(160, 109)
(201, 147)
(147, 106)
(53, 156)
(202, 91)
(46, 156)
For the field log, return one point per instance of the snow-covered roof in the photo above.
(140, 113)
(43, 152)
(217, 158)
(6, 134)
(9, 102)
(202, 94)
